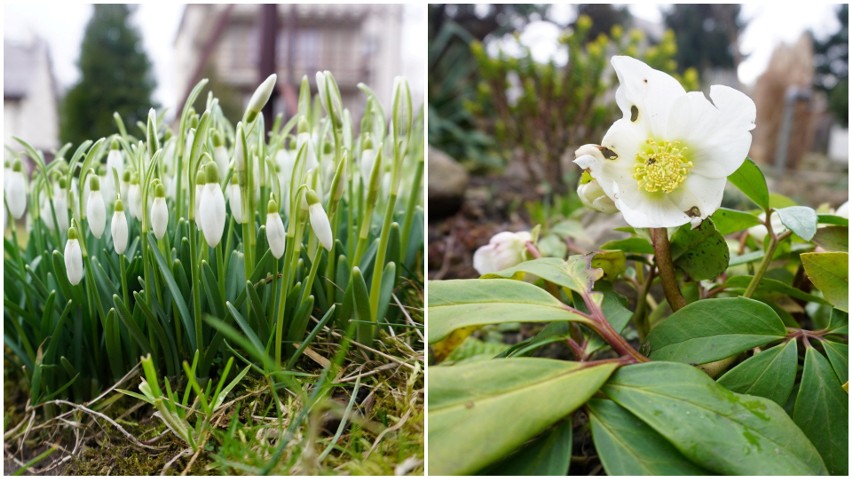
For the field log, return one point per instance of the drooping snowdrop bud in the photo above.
(260, 97)
(220, 153)
(60, 206)
(107, 185)
(593, 196)
(504, 250)
(16, 190)
(319, 220)
(211, 215)
(114, 162)
(275, 233)
(73, 257)
(95, 208)
(118, 228)
(236, 199)
(159, 211)
(134, 196)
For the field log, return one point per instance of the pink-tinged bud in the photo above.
(504, 250)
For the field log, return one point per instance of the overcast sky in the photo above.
(62, 24)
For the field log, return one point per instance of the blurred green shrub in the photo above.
(536, 112)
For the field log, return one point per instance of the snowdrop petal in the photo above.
(320, 225)
(212, 214)
(96, 213)
(16, 194)
(118, 228)
(74, 261)
(159, 217)
(275, 234)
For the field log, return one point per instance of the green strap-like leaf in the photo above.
(459, 303)
(838, 356)
(629, 447)
(724, 432)
(768, 374)
(713, 329)
(480, 412)
(822, 411)
(547, 455)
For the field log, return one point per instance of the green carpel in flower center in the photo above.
(662, 165)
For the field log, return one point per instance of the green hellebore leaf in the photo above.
(469, 406)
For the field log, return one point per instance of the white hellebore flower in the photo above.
(95, 208)
(275, 232)
(235, 197)
(211, 213)
(118, 227)
(591, 193)
(159, 212)
(665, 163)
(504, 250)
(16, 190)
(319, 221)
(73, 257)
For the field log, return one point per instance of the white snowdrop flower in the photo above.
(260, 97)
(275, 232)
(124, 189)
(239, 154)
(666, 162)
(304, 138)
(211, 213)
(95, 208)
(368, 159)
(60, 207)
(327, 90)
(16, 190)
(235, 198)
(220, 153)
(504, 250)
(119, 228)
(319, 220)
(114, 162)
(134, 197)
(159, 211)
(73, 257)
(190, 138)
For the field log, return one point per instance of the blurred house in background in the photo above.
(357, 43)
(29, 93)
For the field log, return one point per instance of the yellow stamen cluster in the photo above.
(661, 166)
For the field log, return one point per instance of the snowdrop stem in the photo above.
(663, 256)
(774, 240)
(124, 292)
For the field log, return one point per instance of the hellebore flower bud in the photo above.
(593, 196)
(73, 257)
(16, 190)
(118, 227)
(319, 220)
(275, 232)
(211, 213)
(504, 250)
(95, 208)
(159, 211)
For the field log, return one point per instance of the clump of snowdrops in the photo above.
(211, 240)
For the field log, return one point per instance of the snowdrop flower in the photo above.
(504, 250)
(589, 191)
(200, 181)
(260, 97)
(60, 207)
(73, 257)
(666, 162)
(134, 196)
(235, 198)
(211, 214)
(124, 190)
(95, 209)
(107, 186)
(16, 190)
(304, 138)
(319, 220)
(239, 154)
(118, 228)
(114, 162)
(327, 90)
(159, 211)
(275, 232)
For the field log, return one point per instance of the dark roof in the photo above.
(18, 66)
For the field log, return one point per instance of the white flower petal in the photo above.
(504, 250)
(212, 214)
(16, 194)
(159, 217)
(699, 195)
(646, 210)
(74, 261)
(321, 226)
(651, 92)
(235, 197)
(118, 228)
(96, 213)
(275, 234)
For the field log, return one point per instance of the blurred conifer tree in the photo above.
(707, 35)
(831, 62)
